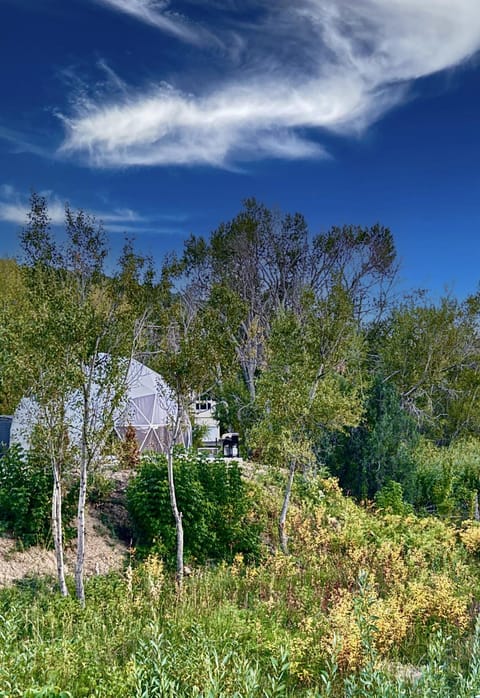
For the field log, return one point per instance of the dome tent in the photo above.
(150, 409)
(148, 405)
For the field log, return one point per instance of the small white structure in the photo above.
(204, 409)
(149, 406)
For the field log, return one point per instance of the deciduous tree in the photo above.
(312, 383)
(83, 333)
(431, 353)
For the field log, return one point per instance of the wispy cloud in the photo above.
(21, 143)
(14, 207)
(157, 14)
(300, 68)
(114, 80)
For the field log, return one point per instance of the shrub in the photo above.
(380, 449)
(26, 484)
(390, 499)
(99, 488)
(129, 450)
(448, 478)
(214, 500)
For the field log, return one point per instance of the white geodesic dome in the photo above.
(149, 406)
(151, 409)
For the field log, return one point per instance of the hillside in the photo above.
(367, 603)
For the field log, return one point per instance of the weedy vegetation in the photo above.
(368, 603)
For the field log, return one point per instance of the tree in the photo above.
(263, 262)
(311, 385)
(431, 353)
(177, 352)
(48, 369)
(362, 260)
(15, 312)
(83, 330)
(380, 449)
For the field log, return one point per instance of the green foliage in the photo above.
(234, 409)
(430, 351)
(218, 641)
(47, 692)
(366, 457)
(199, 433)
(367, 605)
(304, 390)
(15, 313)
(439, 675)
(228, 674)
(84, 324)
(448, 478)
(390, 499)
(99, 488)
(25, 496)
(216, 508)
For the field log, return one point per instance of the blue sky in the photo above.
(161, 117)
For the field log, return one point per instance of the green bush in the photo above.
(26, 484)
(99, 488)
(390, 499)
(448, 478)
(215, 503)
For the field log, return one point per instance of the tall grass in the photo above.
(365, 606)
(136, 638)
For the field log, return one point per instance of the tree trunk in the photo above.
(82, 496)
(249, 374)
(57, 529)
(178, 521)
(283, 514)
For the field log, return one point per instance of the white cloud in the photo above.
(14, 207)
(157, 14)
(302, 67)
(13, 212)
(114, 80)
(21, 143)
(7, 191)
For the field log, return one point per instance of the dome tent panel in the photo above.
(29, 414)
(144, 437)
(25, 417)
(142, 410)
(150, 409)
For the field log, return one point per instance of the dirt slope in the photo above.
(103, 554)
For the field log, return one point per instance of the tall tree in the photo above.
(178, 351)
(312, 384)
(380, 449)
(15, 312)
(48, 369)
(362, 260)
(262, 262)
(83, 330)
